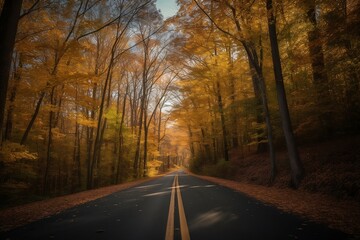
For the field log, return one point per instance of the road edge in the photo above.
(343, 215)
(21, 215)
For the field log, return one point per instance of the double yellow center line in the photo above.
(184, 230)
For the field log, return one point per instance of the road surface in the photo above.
(176, 206)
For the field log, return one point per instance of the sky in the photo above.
(168, 7)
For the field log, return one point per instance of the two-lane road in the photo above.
(176, 206)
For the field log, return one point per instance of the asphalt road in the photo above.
(176, 206)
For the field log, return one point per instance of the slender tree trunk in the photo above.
(13, 92)
(89, 150)
(74, 183)
(33, 118)
(221, 111)
(297, 171)
(38, 105)
(58, 112)
(146, 133)
(213, 133)
(121, 138)
(222, 117)
(259, 81)
(90, 138)
(8, 27)
(192, 148)
(49, 142)
(138, 139)
(142, 111)
(159, 129)
(98, 139)
(234, 115)
(76, 171)
(320, 77)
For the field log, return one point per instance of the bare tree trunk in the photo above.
(90, 138)
(297, 171)
(192, 148)
(234, 115)
(320, 77)
(49, 142)
(142, 110)
(213, 133)
(13, 92)
(222, 117)
(259, 81)
(121, 137)
(74, 183)
(146, 132)
(33, 118)
(8, 27)
(98, 138)
(138, 140)
(76, 171)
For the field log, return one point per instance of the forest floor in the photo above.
(331, 167)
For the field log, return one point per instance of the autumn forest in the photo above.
(101, 92)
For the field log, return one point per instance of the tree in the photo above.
(8, 27)
(297, 171)
(320, 78)
(255, 65)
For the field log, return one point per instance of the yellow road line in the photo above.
(170, 223)
(185, 235)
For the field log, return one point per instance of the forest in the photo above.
(100, 92)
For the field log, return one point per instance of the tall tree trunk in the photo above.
(297, 171)
(146, 133)
(76, 160)
(142, 110)
(13, 92)
(76, 171)
(59, 104)
(234, 115)
(192, 148)
(260, 82)
(121, 138)
(98, 138)
(8, 27)
(138, 139)
(261, 112)
(38, 104)
(213, 133)
(90, 137)
(320, 77)
(49, 143)
(222, 117)
(346, 16)
(159, 129)
(33, 118)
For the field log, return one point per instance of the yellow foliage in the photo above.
(12, 152)
(152, 167)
